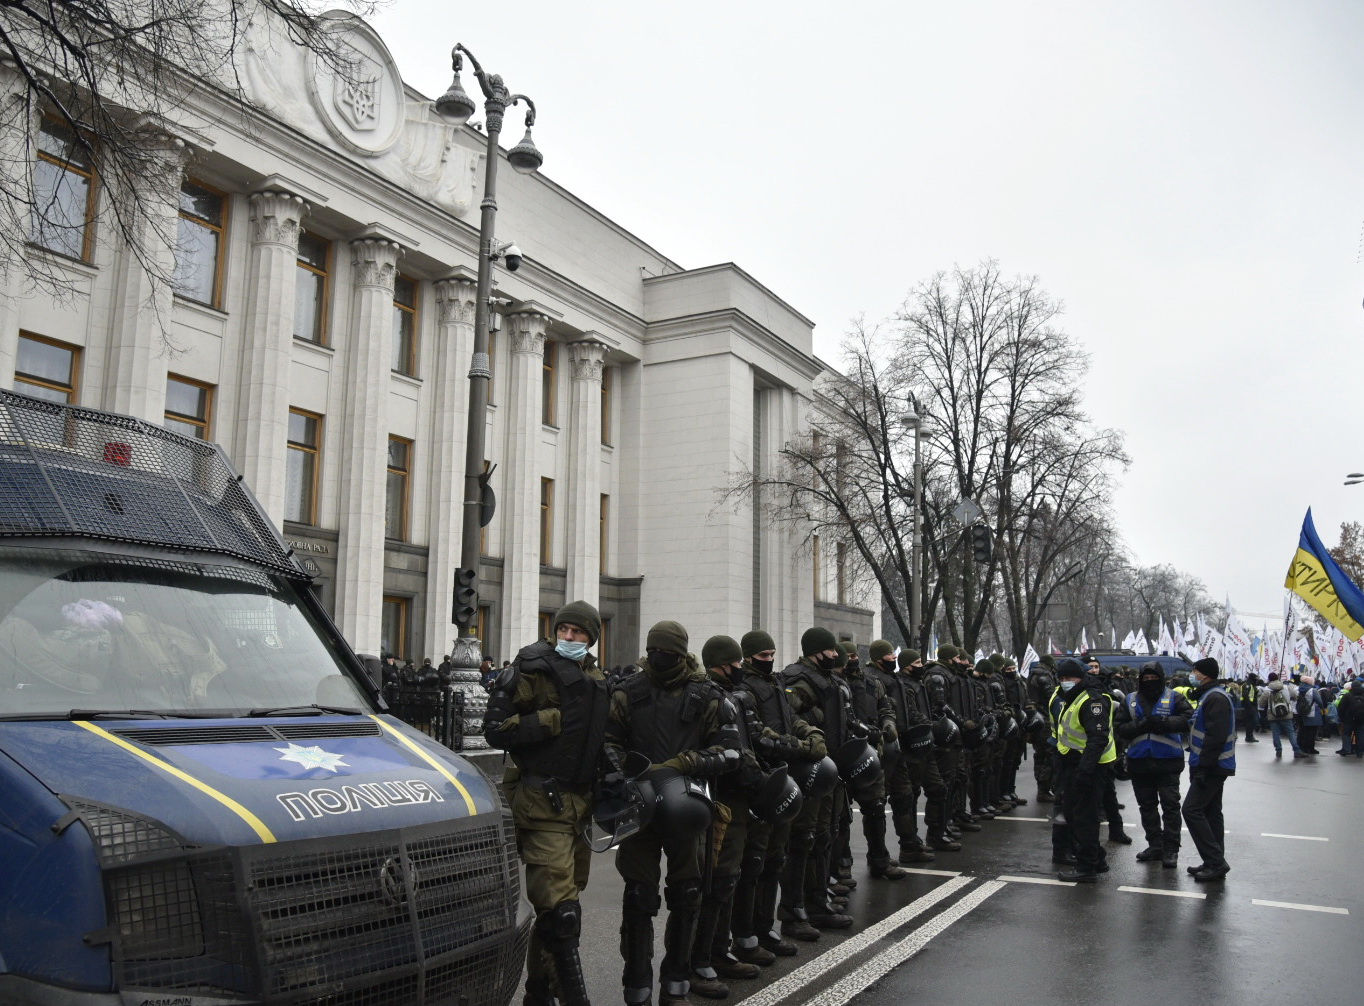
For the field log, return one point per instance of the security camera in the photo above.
(513, 256)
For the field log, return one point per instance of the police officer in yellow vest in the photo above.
(1084, 742)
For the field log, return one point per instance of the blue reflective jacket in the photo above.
(1151, 745)
(1226, 758)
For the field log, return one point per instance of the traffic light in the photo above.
(980, 543)
(466, 597)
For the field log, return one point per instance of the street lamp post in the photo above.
(456, 106)
(916, 423)
(1354, 478)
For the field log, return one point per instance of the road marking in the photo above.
(1301, 908)
(803, 975)
(1301, 838)
(848, 988)
(1036, 880)
(1171, 894)
(931, 873)
(1010, 817)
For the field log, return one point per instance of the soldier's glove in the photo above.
(1159, 724)
(814, 748)
(889, 734)
(612, 788)
(969, 725)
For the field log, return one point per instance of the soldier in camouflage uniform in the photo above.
(873, 709)
(1041, 687)
(783, 736)
(682, 722)
(548, 711)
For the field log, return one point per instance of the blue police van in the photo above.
(203, 798)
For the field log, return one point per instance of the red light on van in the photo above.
(118, 454)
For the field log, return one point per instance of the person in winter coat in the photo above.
(1278, 700)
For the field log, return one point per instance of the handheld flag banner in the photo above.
(1315, 577)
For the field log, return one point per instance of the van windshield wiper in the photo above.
(118, 714)
(309, 710)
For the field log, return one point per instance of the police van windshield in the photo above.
(99, 633)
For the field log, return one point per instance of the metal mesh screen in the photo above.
(425, 916)
(67, 470)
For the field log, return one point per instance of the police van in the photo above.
(204, 798)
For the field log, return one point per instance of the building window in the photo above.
(393, 637)
(310, 293)
(547, 387)
(63, 193)
(606, 405)
(305, 447)
(405, 326)
(399, 477)
(818, 570)
(546, 522)
(603, 529)
(199, 248)
(47, 369)
(481, 622)
(546, 623)
(841, 571)
(189, 407)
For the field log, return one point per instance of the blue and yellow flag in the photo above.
(1314, 576)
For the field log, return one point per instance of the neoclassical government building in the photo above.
(320, 328)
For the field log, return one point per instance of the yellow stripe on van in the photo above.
(416, 749)
(255, 823)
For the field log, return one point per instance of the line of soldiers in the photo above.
(731, 782)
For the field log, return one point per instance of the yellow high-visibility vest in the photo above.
(1071, 736)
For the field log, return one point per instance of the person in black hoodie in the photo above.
(1153, 720)
(1212, 761)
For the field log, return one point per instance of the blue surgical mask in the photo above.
(570, 649)
(1068, 685)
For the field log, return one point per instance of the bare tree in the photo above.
(110, 79)
(1349, 553)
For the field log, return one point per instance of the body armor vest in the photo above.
(865, 707)
(917, 699)
(770, 701)
(831, 700)
(666, 722)
(570, 757)
(894, 687)
(1015, 692)
(962, 696)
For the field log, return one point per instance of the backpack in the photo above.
(1305, 697)
(1278, 706)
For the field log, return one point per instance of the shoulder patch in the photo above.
(1097, 708)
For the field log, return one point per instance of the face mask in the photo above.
(762, 666)
(1066, 686)
(888, 663)
(852, 667)
(828, 663)
(1151, 689)
(661, 660)
(736, 673)
(570, 649)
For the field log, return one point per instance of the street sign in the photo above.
(968, 511)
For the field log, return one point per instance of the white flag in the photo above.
(1029, 658)
(1084, 642)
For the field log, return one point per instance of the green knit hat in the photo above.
(756, 642)
(720, 650)
(879, 649)
(947, 652)
(1047, 661)
(997, 659)
(983, 666)
(668, 636)
(581, 614)
(850, 649)
(817, 640)
(907, 657)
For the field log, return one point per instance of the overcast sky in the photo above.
(1185, 177)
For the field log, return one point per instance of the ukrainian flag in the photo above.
(1314, 576)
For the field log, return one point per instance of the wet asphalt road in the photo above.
(973, 936)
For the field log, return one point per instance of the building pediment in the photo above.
(351, 97)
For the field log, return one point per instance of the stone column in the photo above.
(455, 300)
(364, 442)
(262, 427)
(139, 333)
(18, 121)
(521, 530)
(583, 544)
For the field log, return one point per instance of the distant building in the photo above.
(322, 331)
